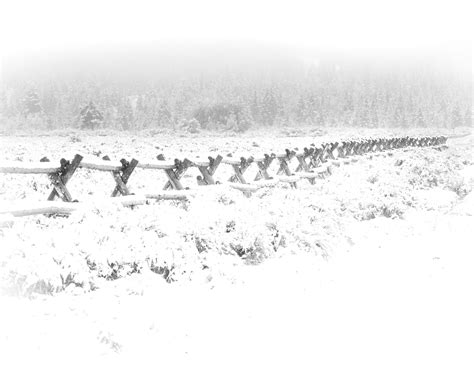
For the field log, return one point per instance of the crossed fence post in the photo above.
(207, 169)
(121, 176)
(284, 159)
(239, 166)
(60, 179)
(263, 165)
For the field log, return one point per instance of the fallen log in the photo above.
(289, 178)
(169, 195)
(265, 183)
(246, 188)
(28, 208)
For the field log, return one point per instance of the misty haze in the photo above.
(234, 86)
(242, 185)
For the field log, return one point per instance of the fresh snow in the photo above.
(370, 267)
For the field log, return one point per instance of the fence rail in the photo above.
(313, 162)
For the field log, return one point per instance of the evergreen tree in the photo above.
(91, 117)
(126, 116)
(410, 109)
(468, 116)
(32, 103)
(312, 109)
(442, 116)
(231, 122)
(269, 108)
(164, 114)
(374, 114)
(301, 111)
(50, 100)
(399, 114)
(245, 120)
(255, 108)
(420, 119)
(320, 112)
(363, 115)
(456, 117)
(348, 102)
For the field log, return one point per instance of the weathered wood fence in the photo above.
(313, 162)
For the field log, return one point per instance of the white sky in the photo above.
(40, 24)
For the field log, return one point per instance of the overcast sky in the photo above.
(33, 30)
(45, 25)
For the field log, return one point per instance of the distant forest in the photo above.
(233, 89)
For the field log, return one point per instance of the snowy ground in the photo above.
(370, 267)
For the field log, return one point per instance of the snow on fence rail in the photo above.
(312, 162)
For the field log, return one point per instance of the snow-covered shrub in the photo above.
(459, 186)
(193, 126)
(190, 126)
(74, 139)
(179, 244)
(216, 115)
(372, 178)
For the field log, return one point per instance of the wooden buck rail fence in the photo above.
(312, 162)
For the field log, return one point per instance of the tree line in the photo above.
(322, 95)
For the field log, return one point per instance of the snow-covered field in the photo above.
(371, 266)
